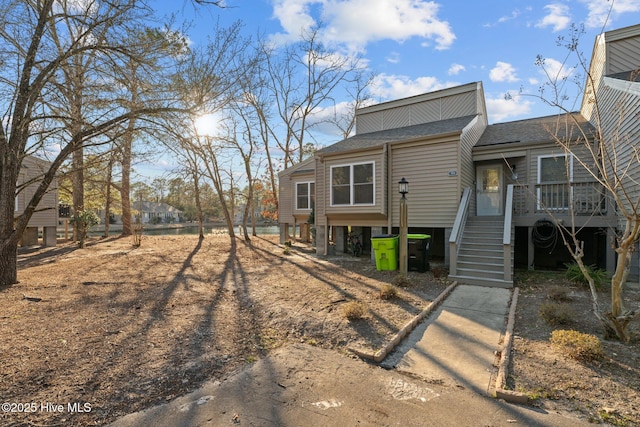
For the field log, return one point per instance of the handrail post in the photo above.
(456, 231)
(506, 234)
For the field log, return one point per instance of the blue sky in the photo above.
(419, 46)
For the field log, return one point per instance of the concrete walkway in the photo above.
(457, 344)
(438, 376)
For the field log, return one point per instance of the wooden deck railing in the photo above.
(585, 198)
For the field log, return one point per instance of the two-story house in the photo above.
(485, 193)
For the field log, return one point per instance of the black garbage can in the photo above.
(418, 252)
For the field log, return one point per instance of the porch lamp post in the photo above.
(403, 188)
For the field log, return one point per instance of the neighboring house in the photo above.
(483, 192)
(45, 217)
(296, 198)
(155, 213)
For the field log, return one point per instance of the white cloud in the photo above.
(558, 17)
(386, 87)
(393, 57)
(499, 109)
(555, 71)
(356, 23)
(503, 72)
(456, 69)
(603, 12)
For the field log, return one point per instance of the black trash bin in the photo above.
(418, 252)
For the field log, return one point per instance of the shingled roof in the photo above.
(535, 130)
(378, 138)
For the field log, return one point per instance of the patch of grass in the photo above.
(575, 275)
(554, 313)
(577, 345)
(540, 393)
(614, 418)
(388, 292)
(354, 310)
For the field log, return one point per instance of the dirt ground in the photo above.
(91, 334)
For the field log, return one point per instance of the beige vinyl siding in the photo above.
(433, 193)
(459, 105)
(622, 55)
(46, 214)
(596, 70)
(321, 193)
(441, 105)
(287, 179)
(621, 126)
(285, 199)
(468, 139)
(374, 157)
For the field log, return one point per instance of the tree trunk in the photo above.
(126, 179)
(8, 263)
(77, 183)
(196, 187)
(107, 205)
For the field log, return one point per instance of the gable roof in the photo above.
(407, 133)
(535, 130)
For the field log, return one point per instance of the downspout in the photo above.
(387, 155)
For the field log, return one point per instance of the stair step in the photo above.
(470, 280)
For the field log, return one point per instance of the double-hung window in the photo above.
(353, 184)
(305, 195)
(555, 173)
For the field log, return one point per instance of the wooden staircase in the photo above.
(481, 255)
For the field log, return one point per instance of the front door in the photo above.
(489, 190)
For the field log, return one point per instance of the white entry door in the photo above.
(489, 190)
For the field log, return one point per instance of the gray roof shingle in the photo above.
(534, 130)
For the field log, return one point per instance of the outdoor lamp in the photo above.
(403, 187)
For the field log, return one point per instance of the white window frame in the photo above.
(352, 185)
(309, 195)
(538, 192)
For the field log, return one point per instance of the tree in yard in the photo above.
(35, 87)
(610, 154)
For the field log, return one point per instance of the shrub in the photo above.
(388, 291)
(575, 275)
(554, 313)
(576, 345)
(354, 310)
(558, 293)
(83, 221)
(401, 281)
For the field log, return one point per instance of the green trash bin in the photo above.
(418, 246)
(385, 247)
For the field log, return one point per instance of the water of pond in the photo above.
(191, 230)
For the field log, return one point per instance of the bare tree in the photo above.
(33, 119)
(610, 154)
(302, 78)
